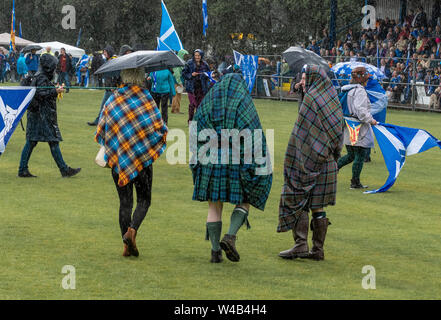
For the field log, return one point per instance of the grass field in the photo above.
(50, 222)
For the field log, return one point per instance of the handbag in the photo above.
(99, 160)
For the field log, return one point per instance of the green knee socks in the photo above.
(214, 230)
(238, 218)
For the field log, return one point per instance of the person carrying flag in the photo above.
(359, 109)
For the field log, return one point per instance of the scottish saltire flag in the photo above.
(378, 98)
(205, 15)
(168, 33)
(398, 142)
(83, 63)
(13, 104)
(20, 34)
(12, 42)
(210, 76)
(248, 65)
(162, 46)
(354, 130)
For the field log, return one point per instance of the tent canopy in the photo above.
(56, 46)
(5, 39)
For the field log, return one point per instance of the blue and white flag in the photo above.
(378, 98)
(345, 68)
(168, 33)
(248, 65)
(205, 15)
(162, 46)
(13, 104)
(210, 77)
(83, 63)
(398, 142)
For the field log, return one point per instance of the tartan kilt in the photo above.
(234, 184)
(294, 200)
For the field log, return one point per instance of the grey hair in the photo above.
(133, 76)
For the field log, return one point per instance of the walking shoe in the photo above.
(126, 252)
(70, 172)
(356, 184)
(26, 174)
(228, 244)
(130, 240)
(216, 256)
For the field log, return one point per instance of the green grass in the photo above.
(50, 222)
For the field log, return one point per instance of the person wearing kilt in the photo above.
(233, 172)
(133, 133)
(311, 165)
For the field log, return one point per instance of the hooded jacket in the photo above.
(22, 68)
(190, 68)
(177, 72)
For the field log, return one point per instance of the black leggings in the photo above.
(143, 186)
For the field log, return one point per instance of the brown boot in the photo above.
(319, 228)
(228, 244)
(126, 252)
(130, 240)
(300, 233)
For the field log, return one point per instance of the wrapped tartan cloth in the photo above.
(132, 131)
(310, 164)
(228, 106)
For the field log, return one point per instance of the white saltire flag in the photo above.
(398, 142)
(13, 104)
(205, 15)
(248, 65)
(168, 33)
(162, 46)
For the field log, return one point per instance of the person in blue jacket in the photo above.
(22, 68)
(33, 61)
(163, 88)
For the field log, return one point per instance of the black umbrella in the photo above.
(151, 60)
(31, 47)
(298, 57)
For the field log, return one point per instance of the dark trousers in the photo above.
(143, 186)
(161, 100)
(55, 150)
(195, 101)
(356, 155)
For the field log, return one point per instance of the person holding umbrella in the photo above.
(196, 81)
(32, 61)
(131, 109)
(311, 165)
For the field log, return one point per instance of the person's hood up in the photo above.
(182, 53)
(201, 52)
(110, 51)
(48, 64)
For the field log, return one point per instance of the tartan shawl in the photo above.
(132, 131)
(316, 138)
(228, 105)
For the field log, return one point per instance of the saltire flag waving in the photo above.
(248, 65)
(12, 42)
(168, 33)
(205, 15)
(13, 104)
(210, 77)
(398, 142)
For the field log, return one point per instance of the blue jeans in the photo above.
(106, 97)
(64, 78)
(55, 150)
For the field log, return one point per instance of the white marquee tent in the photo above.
(56, 46)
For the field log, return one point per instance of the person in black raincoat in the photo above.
(42, 124)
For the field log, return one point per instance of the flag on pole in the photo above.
(205, 15)
(162, 46)
(13, 104)
(248, 65)
(12, 42)
(168, 33)
(79, 37)
(398, 142)
(20, 32)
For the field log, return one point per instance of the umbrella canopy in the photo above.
(31, 47)
(5, 38)
(297, 57)
(345, 69)
(151, 60)
(4, 50)
(56, 46)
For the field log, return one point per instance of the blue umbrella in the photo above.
(345, 68)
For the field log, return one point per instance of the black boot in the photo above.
(70, 172)
(25, 174)
(216, 256)
(300, 233)
(356, 184)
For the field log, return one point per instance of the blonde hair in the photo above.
(133, 76)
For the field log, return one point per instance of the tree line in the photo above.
(273, 25)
